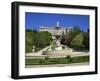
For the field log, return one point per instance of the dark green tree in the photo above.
(66, 39)
(77, 42)
(42, 39)
(28, 41)
(86, 40)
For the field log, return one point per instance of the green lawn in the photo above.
(63, 60)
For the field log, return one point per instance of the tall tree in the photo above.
(28, 40)
(70, 34)
(42, 39)
(77, 41)
(86, 40)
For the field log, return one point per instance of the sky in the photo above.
(35, 20)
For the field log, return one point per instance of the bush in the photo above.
(77, 42)
(53, 47)
(41, 61)
(63, 47)
(44, 52)
(46, 58)
(28, 41)
(42, 40)
(69, 58)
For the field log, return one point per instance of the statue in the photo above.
(57, 23)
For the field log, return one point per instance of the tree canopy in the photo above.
(77, 41)
(37, 39)
(76, 38)
(42, 39)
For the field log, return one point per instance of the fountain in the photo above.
(57, 37)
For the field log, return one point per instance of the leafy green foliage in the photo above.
(63, 47)
(46, 58)
(53, 46)
(69, 58)
(77, 41)
(42, 39)
(28, 41)
(66, 39)
(86, 40)
(39, 39)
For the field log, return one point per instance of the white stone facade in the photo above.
(55, 30)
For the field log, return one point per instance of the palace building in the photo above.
(56, 30)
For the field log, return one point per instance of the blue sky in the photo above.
(35, 20)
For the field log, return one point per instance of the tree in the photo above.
(66, 39)
(42, 39)
(63, 39)
(38, 39)
(69, 58)
(86, 40)
(46, 58)
(28, 41)
(77, 42)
